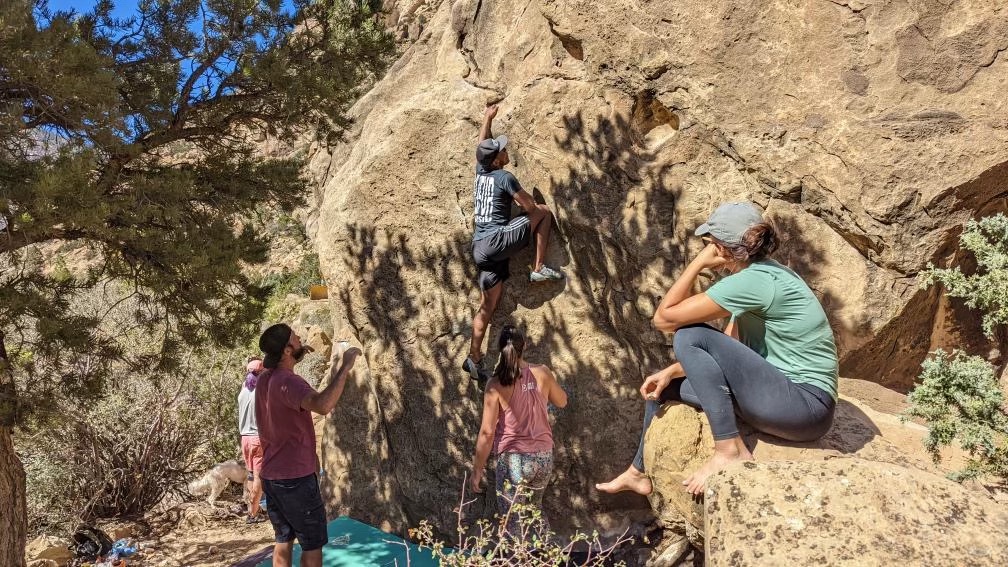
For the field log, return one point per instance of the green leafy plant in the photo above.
(958, 395)
(297, 281)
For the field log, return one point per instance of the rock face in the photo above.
(869, 130)
(679, 441)
(849, 512)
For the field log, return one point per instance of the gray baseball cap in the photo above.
(488, 149)
(730, 221)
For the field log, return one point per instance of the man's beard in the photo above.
(300, 353)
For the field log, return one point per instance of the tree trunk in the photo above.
(12, 498)
(14, 518)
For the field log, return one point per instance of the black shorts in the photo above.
(491, 252)
(296, 510)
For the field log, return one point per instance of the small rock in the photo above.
(48, 548)
(315, 337)
(669, 557)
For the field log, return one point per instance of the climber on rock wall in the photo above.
(516, 428)
(497, 237)
(775, 364)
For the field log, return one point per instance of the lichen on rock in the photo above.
(849, 512)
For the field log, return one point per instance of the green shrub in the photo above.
(960, 400)
(958, 395)
(141, 441)
(307, 273)
(987, 289)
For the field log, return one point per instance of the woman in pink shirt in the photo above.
(516, 426)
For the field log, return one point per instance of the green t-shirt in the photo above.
(778, 316)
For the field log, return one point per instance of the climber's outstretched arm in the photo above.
(488, 117)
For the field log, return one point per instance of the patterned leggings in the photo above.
(531, 470)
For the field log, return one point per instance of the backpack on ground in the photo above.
(89, 543)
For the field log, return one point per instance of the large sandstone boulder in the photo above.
(849, 512)
(869, 129)
(679, 441)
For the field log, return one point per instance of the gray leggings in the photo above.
(725, 377)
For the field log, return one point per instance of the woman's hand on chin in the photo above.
(710, 258)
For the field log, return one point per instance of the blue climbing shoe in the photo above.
(475, 370)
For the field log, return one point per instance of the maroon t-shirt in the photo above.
(286, 431)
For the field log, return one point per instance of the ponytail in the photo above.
(758, 242)
(512, 346)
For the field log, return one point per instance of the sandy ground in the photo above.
(204, 538)
(193, 535)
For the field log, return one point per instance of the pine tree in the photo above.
(135, 138)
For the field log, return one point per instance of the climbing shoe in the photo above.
(545, 274)
(475, 370)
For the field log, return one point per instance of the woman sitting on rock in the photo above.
(775, 364)
(516, 425)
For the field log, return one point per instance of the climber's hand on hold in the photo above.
(491, 112)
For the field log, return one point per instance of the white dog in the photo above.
(215, 481)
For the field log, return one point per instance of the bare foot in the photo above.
(631, 479)
(726, 452)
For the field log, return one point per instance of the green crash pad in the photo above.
(352, 543)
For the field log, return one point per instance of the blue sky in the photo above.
(123, 8)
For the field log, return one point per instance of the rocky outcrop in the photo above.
(849, 512)
(679, 441)
(870, 130)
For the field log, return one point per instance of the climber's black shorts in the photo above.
(492, 252)
(296, 510)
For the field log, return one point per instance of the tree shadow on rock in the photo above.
(615, 201)
(519, 290)
(405, 308)
(410, 302)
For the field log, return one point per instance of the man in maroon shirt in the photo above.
(284, 404)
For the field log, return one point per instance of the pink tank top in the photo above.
(523, 426)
